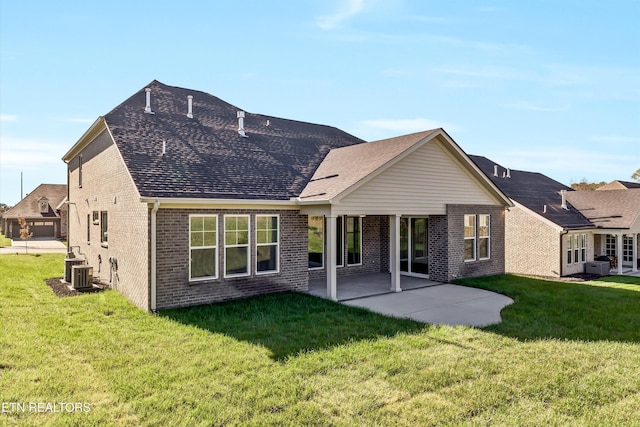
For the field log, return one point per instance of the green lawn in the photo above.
(565, 354)
(4, 241)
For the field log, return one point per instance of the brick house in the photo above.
(554, 231)
(178, 198)
(45, 211)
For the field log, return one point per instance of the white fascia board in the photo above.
(94, 130)
(178, 202)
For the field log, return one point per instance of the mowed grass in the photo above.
(5, 241)
(565, 354)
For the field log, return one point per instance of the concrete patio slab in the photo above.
(35, 246)
(442, 304)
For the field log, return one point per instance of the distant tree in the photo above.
(636, 176)
(588, 186)
(25, 234)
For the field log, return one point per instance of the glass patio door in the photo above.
(414, 250)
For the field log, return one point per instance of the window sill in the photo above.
(104, 245)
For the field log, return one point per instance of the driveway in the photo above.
(35, 246)
(442, 304)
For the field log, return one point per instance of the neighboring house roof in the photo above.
(619, 185)
(29, 207)
(608, 208)
(205, 155)
(535, 191)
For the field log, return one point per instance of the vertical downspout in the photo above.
(154, 211)
(69, 250)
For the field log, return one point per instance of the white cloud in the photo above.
(347, 10)
(21, 154)
(528, 106)
(615, 138)
(8, 118)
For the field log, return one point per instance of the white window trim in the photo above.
(276, 244)
(215, 268)
(104, 242)
(488, 238)
(248, 245)
(323, 241)
(360, 222)
(474, 238)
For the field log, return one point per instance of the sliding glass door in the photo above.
(414, 248)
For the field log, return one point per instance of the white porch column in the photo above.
(635, 253)
(394, 249)
(332, 284)
(619, 251)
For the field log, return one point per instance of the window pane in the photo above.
(267, 256)
(196, 223)
(469, 250)
(483, 248)
(483, 226)
(353, 240)
(315, 231)
(210, 223)
(203, 263)
(339, 242)
(469, 226)
(243, 237)
(243, 223)
(236, 260)
(230, 223)
(209, 238)
(197, 239)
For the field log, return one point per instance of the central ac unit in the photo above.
(68, 263)
(82, 276)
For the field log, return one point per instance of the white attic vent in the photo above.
(508, 173)
(495, 170)
(241, 124)
(147, 108)
(190, 106)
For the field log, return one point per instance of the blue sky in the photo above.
(547, 86)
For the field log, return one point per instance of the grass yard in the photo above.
(4, 241)
(565, 354)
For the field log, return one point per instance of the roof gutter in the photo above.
(154, 277)
(217, 202)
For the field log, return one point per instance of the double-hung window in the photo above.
(484, 236)
(236, 245)
(576, 249)
(104, 229)
(469, 237)
(354, 240)
(203, 247)
(267, 244)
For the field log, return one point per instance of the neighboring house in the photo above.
(548, 233)
(619, 185)
(179, 198)
(616, 214)
(45, 210)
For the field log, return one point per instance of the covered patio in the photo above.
(366, 285)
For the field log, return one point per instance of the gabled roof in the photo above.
(535, 191)
(619, 185)
(608, 208)
(205, 155)
(29, 207)
(346, 166)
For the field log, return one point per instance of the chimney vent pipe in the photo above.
(147, 108)
(495, 170)
(190, 106)
(563, 194)
(241, 124)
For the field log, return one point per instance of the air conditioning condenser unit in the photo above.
(82, 276)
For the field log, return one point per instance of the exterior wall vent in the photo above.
(147, 108)
(190, 106)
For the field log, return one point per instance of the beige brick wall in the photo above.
(107, 186)
(532, 245)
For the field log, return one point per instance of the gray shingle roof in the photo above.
(29, 206)
(206, 157)
(619, 185)
(535, 190)
(608, 208)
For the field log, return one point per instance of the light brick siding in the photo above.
(107, 186)
(375, 250)
(533, 245)
(173, 286)
(457, 267)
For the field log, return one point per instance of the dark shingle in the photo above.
(206, 157)
(535, 191)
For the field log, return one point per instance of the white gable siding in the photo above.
(422, 183)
